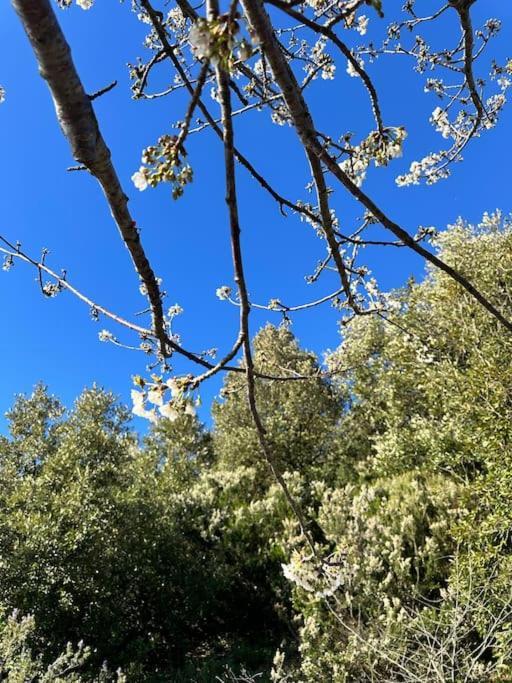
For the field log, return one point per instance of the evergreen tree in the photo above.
(300, 416)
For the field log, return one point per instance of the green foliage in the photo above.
(300, 416)
(178, 559)
(390, 542)
(102, 541)
(428, 426)
(19, 662)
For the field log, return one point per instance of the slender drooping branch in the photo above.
(61, 282)
(245, 306)
(328, 32)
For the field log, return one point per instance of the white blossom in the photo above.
(173, 384)
(295, 575)
(174, 310)
(84, 4)
(223, 292)
(372, 288)
(351, 69)
(259, 69)
(356, 168)
(139, 408)
(176, 19)
(155, 396)
(105, 336)
(427, 168)
(140, 180)
(377, 147)
(361, 24)
(280, 115)
(144, 17)
(328, 72)
(244, 51)
(440, 119)
(190, 410)
(169, 411)
(200, 40)
(8, 262)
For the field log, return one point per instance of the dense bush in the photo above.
(428, 427)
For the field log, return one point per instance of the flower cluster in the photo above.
(351, 69)
(317, 5)
(320, 62)
(83, 4)
(174, 311)
(494, 105)
(361, 24)
(176, 20)
(281, 115)
(223, 292)
(428, 168)
(105, 336)
(377, 147)
(8, 262)
(440, 120)
(154, 393)
(322, 582)
(462, 117)
(51, 289)
(215, 40)
(163, 163)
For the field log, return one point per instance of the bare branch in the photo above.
(103, 91)
(231, 200)
(15, 252)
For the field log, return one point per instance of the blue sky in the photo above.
(54, 341)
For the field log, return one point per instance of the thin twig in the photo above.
(231, 200)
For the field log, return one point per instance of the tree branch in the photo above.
(260, 22)
(231, 201)
(80, 126)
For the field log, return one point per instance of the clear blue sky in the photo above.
(187, 241)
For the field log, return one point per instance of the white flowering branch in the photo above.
(303, 123)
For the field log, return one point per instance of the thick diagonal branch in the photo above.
(79, 124)
(463, 9)
(303, 123)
